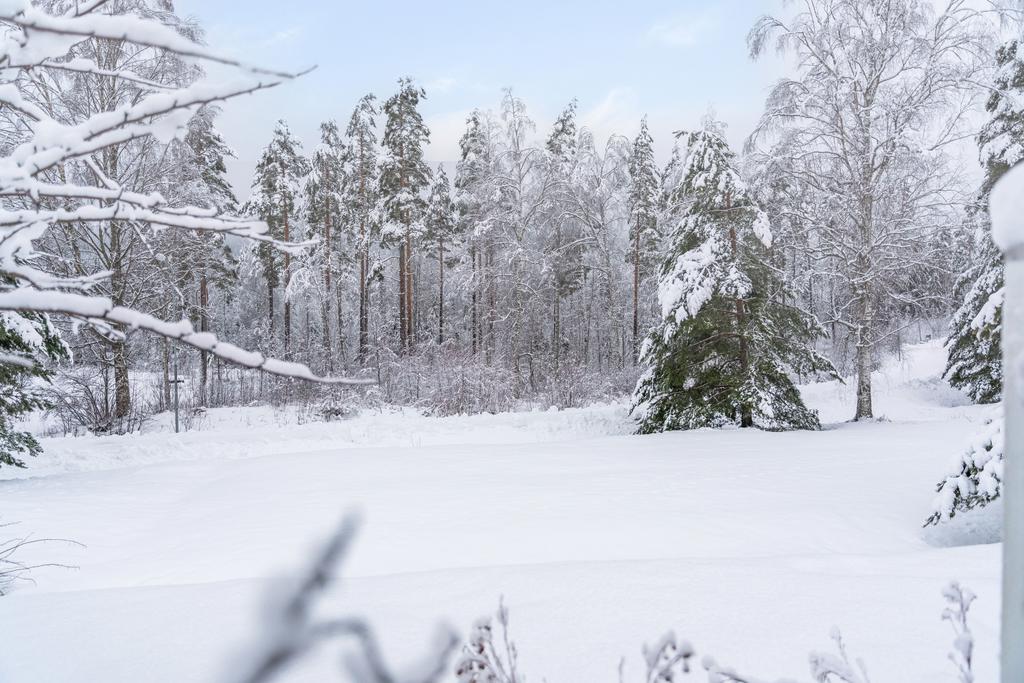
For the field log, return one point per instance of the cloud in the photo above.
(283, 37)
(618, 112)
(440, 85)
(446, 130)
(683, 30)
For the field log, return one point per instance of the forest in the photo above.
(530, 270)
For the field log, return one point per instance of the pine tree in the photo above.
(644, 196)
(566, 246)
(323, 208)
(359, 199)
(28, 342)
(474, 198)
(727, 344)
(441, 233)
(209, 262)
(975, 349)
(276, 194)
(404, 178)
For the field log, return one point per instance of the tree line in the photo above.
(542, 267)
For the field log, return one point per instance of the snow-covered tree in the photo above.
(323, 212)
(440, 236)
(202, 261)
(729, 341)
(475, 198)
(404, 180)
(359, 200)
(976, 478)
(644, 196)
(975, 350)
(89, 88)
(565, 246)
(277, 190)
(883, 89)
(29, 344)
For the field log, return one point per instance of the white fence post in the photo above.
(1008, 230)
(1013, 474)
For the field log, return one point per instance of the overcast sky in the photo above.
(670, 60)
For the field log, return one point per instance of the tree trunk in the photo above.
(474, 304)
(166, 394)
(122, 385)
(204, 326)
(636, 294)
(864, 362)
(746, 410)
(287, 302)
(410, 296)
(403, 323)
(492, 308)
(556, 328)
(440, 294)
(270, 308)
(326, 307)
(364, 295)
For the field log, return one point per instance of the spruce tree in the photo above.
(975, 343)
(404, 179)
(728, 342)
(276, 194)
(644, 196)
(359, 201)
(441, 235)
(28, 343)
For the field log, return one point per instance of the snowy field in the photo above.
(751, 545)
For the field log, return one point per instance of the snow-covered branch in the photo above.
(60, 170)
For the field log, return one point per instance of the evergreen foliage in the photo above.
(276, 194)
(975, 342)
(728, 340)
(644, 198)
(28, 344)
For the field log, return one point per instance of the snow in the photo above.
(1007, 210)
(751, 545)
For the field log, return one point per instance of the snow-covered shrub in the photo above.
(443, 380)
(668, 659)
(975, 480)
(484, 662)
(82, 402)
(958, 604)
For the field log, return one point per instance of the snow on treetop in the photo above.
(1007, 210)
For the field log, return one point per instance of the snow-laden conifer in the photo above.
(975, 350)
(728, 341)
(404, 180)
(277, 192)
(644, 198)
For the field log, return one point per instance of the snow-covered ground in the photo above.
(751, 545)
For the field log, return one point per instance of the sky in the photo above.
(672, 61)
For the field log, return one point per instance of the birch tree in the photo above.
(883, 88)
(57, 176)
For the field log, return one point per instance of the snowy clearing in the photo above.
(752, 545)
